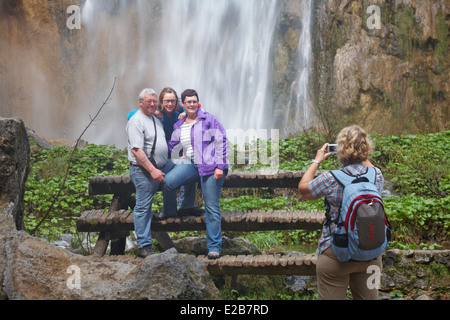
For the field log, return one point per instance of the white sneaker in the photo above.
(213, 255)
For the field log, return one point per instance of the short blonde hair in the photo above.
(354, 145)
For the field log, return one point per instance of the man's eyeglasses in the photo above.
(150, 101)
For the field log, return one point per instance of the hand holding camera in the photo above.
(325, 152)
(332, 148)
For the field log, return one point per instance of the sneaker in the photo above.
(213, 255)
(145, 251)
(195, 211)
(158, 216)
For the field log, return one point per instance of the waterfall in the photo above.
(220, 48)
(299, 114)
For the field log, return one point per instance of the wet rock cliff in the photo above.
(390, 79)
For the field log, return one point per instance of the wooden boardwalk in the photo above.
(115, 224)
(287, 264)
(256, 220)
(234, 179)
(272, 264)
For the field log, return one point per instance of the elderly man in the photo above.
(148, 156)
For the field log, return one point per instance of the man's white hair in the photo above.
(147, 91)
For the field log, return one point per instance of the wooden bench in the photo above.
(115, 224)
(254, 220)
(234, 179)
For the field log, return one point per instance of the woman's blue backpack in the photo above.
(362, 232)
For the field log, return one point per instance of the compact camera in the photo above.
(332, 148)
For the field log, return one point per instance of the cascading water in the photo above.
(299, 110)
(222, 48)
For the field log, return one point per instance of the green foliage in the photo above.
(416, 164)
(247, 202)
(414, 216)
(259, 287)
(415, 167)
(294, 153)
(45, 179)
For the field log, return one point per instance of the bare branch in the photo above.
(70, 159)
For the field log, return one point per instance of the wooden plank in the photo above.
(95, 216)
(225, 260)
(120, 213)
(287, 265)
(84, 215)
(307, 261)
(129, 219)
(256, 220)
(109, 219)
(235, 179)
(239, 261)
(291, 259)
(299, 259)
(247, 261)
(124, 216)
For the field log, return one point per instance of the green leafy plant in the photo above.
(44, 181)
(417, 164)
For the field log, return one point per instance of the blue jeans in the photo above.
(211, 189)
(186, 173)
(188, 192)
(186, 199)
(146, 188)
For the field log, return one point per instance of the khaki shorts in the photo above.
(334, 277)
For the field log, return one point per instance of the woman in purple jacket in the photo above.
(203, 142)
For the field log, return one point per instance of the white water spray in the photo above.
(299, 110)
(222, 48)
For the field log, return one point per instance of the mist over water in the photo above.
(221, 48)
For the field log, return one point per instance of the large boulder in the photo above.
(14, 167)
(37, 270)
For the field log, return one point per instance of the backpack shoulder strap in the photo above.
(372, 172)
(370, 175)
(342, 178)
(345, 179)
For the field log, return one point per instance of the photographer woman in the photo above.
(334, 277)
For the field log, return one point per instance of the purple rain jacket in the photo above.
(209, 142)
